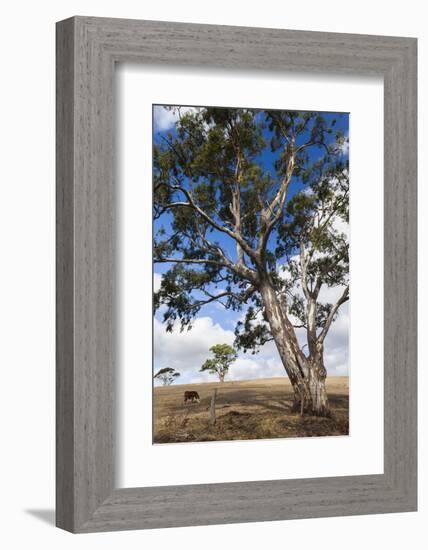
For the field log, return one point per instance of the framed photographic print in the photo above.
(236, 274)
(262, 232)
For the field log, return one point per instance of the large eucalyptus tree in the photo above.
(252, 210)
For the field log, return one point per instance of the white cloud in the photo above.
(330, 294)
(165, 119)
(260, 366)
(340, 225)
(336, 352)
(187, 350)
(157, 279)
(344, 147)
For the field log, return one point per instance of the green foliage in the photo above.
(209, 179)
(224, 356)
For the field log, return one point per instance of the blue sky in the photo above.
(187, 351)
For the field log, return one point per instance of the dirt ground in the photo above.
(249, 409)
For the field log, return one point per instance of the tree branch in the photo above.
(268, 215)
(191, 203)
(303, 266)
(188, 261)
(344, 298)
(241, 297)
(242, 271)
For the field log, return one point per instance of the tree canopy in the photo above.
(245, 197)
(166, 376)
(224, 356)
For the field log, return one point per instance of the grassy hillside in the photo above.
(249, 409)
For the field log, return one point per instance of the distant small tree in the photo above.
(166, 375)
(224, 356)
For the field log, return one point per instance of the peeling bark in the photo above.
(319, 399)
(307, 374)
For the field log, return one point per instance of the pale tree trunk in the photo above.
(317, 372)
(315, 401)
(319, 399)
(221, 376)
(307, 375)
(292, 357)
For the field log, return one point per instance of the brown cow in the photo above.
(192, 396)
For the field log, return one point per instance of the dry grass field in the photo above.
(249, 409)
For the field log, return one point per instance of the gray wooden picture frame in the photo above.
(87, 50)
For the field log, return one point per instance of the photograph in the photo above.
(250, 273)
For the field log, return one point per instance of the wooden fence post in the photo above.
(212, 408)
